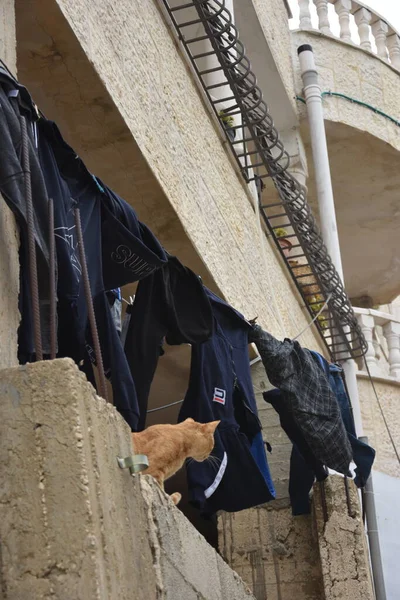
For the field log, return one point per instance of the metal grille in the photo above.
(217, 55)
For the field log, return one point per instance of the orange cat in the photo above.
(168, 446)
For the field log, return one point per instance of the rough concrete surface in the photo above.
(342, 543)
(275, 553)
(72, 524)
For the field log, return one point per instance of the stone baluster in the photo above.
(343, 8)
(367, 324)
(379, 31)
(391, 331)
(323, 17)
(363, 18)
(377, 343)
(305, 15)
(393, 44)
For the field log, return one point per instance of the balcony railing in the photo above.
(382, 332)
(375, 33)
(211, 42)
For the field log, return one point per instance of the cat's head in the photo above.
(201, 438)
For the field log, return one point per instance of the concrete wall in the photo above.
(149, 83)
(274, 553)
(341, 541)
(9, 240)
(347, 69)
(75, 526)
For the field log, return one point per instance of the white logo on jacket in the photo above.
(219, 395)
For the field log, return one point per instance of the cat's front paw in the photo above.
(176, 497)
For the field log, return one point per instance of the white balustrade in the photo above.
(367, 325)
(379, 31)
(322, 12)
(363, 18)
(383, 354)
(393, 42)
(370, 25)
(305, 15)
(391, 331)
(343, 8)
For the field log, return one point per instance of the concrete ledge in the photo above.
(72, 524)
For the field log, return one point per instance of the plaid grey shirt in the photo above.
(307, 396)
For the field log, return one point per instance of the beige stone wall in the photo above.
(349, 70)
(9, 240)
(275, 554)
(135, 56)
(342, 542)
(73, 525)
(374, 423)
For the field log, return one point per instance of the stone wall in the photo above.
(374, 422)
(75, 526)
(347, 69)
(341, 541)
(9, 239)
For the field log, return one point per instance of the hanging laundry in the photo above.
(303, 472)
(115, 302)
(15, 102)
(363, 454)
(171, 303)
(304, 467)
(307, 396)
(220, 388)
(119, 250)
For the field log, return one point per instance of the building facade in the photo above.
(123, 84)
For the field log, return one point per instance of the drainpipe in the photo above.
(313, 98)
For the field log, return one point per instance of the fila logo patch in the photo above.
(219, 396)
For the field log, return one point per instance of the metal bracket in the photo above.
(136, 463)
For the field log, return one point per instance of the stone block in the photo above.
(341, 540)
(72, 523)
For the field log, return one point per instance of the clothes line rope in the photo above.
(151, 410)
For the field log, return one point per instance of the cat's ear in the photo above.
(211, 427)
(189, 420)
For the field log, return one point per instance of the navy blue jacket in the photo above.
(220, 387)
(119, 250)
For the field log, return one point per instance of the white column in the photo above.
(367, 325)
(305, 16)
(363, 18)
(312, 94)
(323, 17)
(393, 44)
(391, 331)
(343, 8)
(379, 31)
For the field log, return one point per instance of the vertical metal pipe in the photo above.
(373, 537)
(89, 303)
(33, 275)
(52, 286)
(313, 98)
